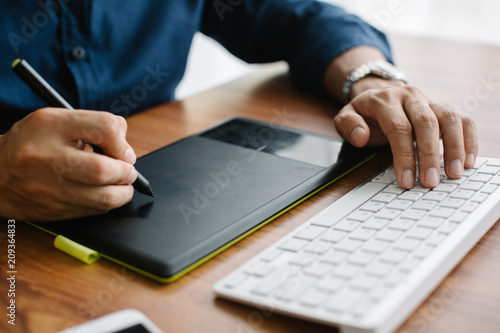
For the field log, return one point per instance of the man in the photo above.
(124, 56)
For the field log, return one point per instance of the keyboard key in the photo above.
(333, 235)
(293, 287)
(333, 256)
(442, 212)
(270, 255)
(361, 258)
(303, 259)
(452, 203)
(424, 204)
(380, 268)
(489, 170)
(469, 172)
(424, 250)
(394, 189)
(313, 297)
(363, 234)
(419, 232)
(363, 306)
(419, 188)
(393, 255)
(359, 215)
(259, 268)
(348, 245)
(455, 181)
(364, 282)
(412, 196)
(469, 207)
(317, 247)
(495, 180)
(384, 197)
(234, 279)
(318, 269)
(372, 206)
(493, 163)
(380, 291)
(480, 177)
(375, 223)
(389, 214)
(401, 224)
(473, 186)
(490, 188)
(399, 204)
(479, 197)
(431, 222)
(395, 278)
(447, 227)
(459, 217)
(410, 263)
(434, 240)
(330, 283)
(413, 214)
(344, 299)
(388, 235)
(375, 245)
(385, 178)
(273, 281)
(407, 244)
(463, 194)
(435, 196)
(293, 244)
(347, 225)
(444, 187)
(310, 232)
(346, 270)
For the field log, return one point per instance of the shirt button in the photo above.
(78, 52)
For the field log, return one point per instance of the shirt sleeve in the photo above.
(308, 34)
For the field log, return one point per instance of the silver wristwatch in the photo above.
(378, 68)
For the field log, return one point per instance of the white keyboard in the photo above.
(367, 261)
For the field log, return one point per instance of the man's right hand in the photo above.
(46, 175)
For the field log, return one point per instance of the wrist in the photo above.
(372, 82)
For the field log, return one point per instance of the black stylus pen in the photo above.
(43, 90)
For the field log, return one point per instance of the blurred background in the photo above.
(476, 21)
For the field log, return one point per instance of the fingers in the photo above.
(98, 200)
(352, 126)
(470, 142)
(426, 128)
(406, 118)
(100, 128)
(95, 169)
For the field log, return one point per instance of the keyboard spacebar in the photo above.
(345, 205)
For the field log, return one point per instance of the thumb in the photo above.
(352, 127)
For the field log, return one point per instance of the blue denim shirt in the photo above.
(125, 56)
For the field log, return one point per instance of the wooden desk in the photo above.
(55, 291)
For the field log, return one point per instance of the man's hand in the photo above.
(46, 175)
(401, 116)
(388, 111)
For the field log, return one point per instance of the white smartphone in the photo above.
(123, 321)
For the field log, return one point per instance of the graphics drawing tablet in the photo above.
(211, 190)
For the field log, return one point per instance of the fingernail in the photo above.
(129, 156)
(356, 135)
(132, 176)
(456, 168)
(470, 160)
(432, 177)
(408, 179)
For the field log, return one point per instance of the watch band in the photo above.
(378, 68)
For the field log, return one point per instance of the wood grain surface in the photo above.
(55, 291)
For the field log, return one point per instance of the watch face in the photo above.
(387, 70)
